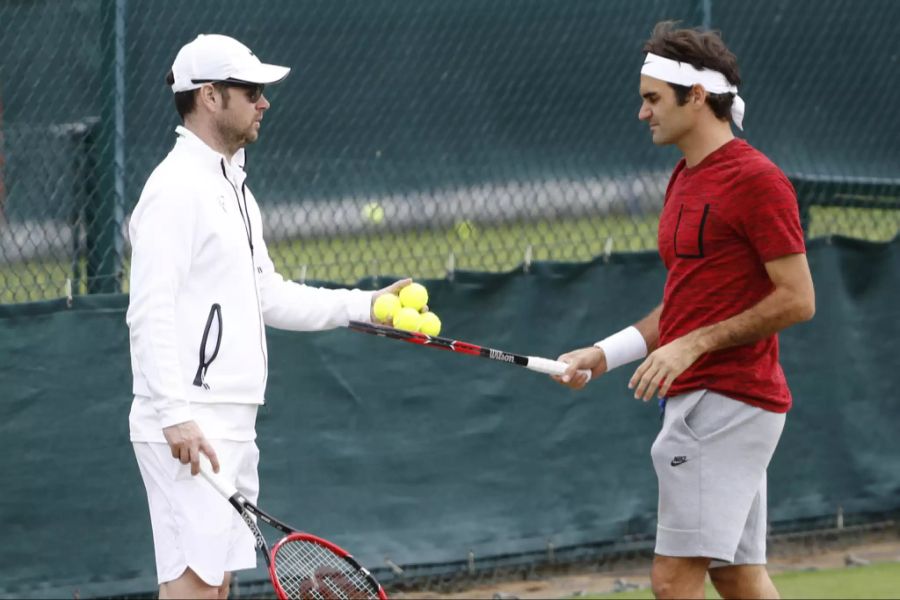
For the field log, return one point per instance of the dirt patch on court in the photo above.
(824, 550)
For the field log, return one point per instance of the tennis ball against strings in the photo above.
(430, 324)
(414, 296)
(386, 306)
(407, 319)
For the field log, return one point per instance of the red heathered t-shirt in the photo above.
(722, 220)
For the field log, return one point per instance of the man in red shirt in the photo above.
(730, 237)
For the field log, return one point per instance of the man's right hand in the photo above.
(590, 358)
(186, 442)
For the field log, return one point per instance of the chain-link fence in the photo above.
(419, 137)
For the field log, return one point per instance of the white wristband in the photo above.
(623, 347)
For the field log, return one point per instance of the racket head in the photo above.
(309, 567)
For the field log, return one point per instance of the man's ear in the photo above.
(698, 95)
(208, 96)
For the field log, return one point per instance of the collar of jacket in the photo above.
(198, 149)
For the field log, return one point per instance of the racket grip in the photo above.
(552, 367)
(227, 490)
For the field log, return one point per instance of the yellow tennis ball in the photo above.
(407, 319)
(373, 212)
(414, 296)
(386, 305)
(465, 230)
(430, 324)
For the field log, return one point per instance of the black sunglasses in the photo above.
(254, 91)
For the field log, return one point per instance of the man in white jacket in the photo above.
(203, 288)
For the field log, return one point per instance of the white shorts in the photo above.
(711, 457)
(193, 525)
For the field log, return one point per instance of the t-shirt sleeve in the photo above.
(770, 216)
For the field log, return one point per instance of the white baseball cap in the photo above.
(213, 57)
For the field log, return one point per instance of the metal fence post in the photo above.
(2, 167)
(706, 13)
(105, 142)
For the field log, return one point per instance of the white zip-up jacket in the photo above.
(203, 287)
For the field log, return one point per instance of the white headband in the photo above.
(682, 73)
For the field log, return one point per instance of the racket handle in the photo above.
(552, 367)
(227, 490)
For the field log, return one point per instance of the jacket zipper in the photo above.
(248, 228)
(215, 311)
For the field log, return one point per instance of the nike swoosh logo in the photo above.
(678, 460)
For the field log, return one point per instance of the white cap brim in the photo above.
(262, 73)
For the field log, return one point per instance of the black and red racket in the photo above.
(535, 363)
(300, 565)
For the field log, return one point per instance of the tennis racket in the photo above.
(300, 565)
(535, 363)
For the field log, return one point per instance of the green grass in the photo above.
(870, 581)
(425, 253)
(875, 224)
(422, 253)
(34, 280)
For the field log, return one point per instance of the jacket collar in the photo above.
(234, 168)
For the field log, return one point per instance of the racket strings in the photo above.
(310, 571)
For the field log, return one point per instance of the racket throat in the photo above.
(258, 538)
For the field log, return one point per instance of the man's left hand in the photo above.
(394, 288)
(662, 367)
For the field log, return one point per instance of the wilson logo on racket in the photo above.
(498, 355)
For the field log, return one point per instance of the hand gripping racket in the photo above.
(300, 565)
(535, 363)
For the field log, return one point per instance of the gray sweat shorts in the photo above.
(711, 457)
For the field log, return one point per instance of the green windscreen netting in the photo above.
(409, 456)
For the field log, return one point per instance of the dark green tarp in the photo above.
(420, 456)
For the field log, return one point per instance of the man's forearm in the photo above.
(775, 312)
(649, 328)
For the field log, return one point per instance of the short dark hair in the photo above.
(186, 102)
(704, 50)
